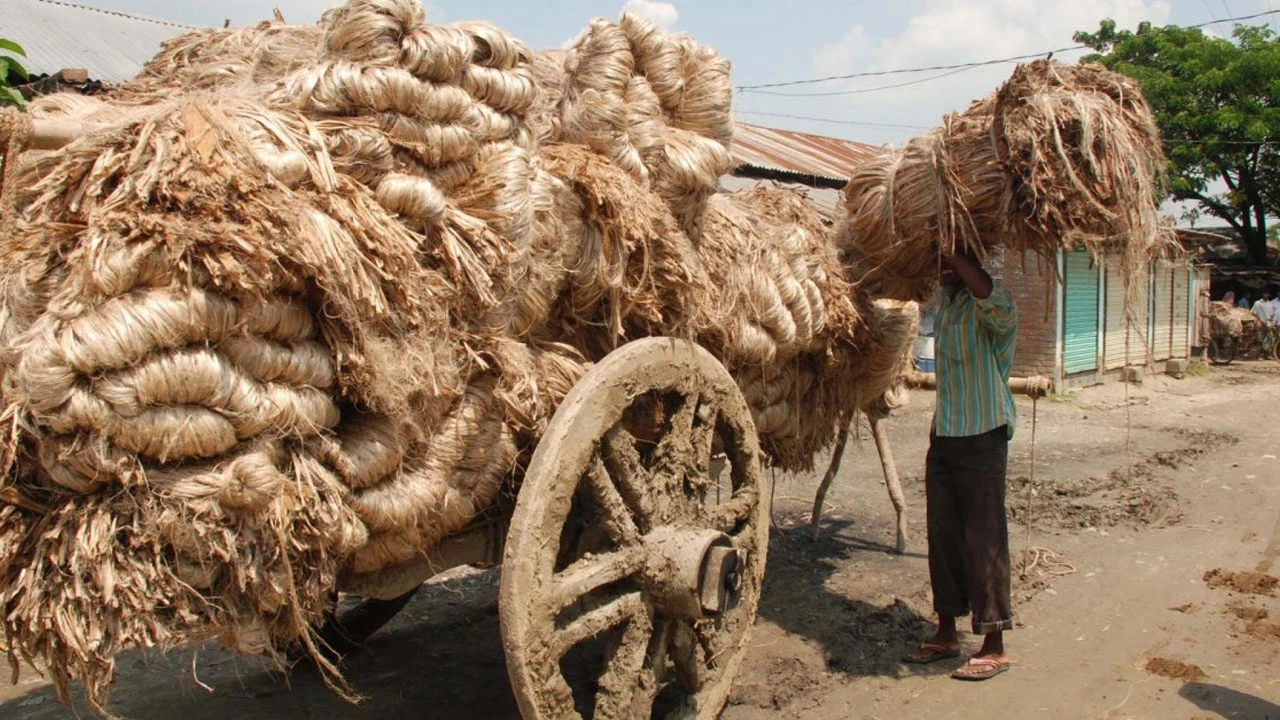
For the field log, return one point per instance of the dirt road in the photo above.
(1153, 548)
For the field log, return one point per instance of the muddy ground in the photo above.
(1153, 549)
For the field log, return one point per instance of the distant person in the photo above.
(1244, 302)
(1230, 298)
(1265, 310)
(974, 334)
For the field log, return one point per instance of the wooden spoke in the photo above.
(674, 459)
(654, 672)
(633, 479)
(727, 516)
(617, 689)
(617, 519)
(688, 656)
(594, 622)
(675, 440)
(592, 573)
(702, 437)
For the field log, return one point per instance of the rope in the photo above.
(1031, 484)
(1033, 556)
(1050, 561)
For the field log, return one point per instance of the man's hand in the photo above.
(972, 274)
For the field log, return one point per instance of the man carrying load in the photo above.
(975, 333)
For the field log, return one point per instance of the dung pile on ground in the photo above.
(1175, 669)
(1243, 581)
(1059, 157)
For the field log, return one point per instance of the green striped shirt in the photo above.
(973, 352)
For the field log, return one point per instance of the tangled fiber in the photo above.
(1060, 156)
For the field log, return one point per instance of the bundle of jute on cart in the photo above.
(1060, 156)
(297, 303)
(1228, 321)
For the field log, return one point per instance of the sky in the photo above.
(772, 41)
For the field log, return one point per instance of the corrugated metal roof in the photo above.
(111, 45)
(797, 153)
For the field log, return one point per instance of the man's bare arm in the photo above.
(972, 274)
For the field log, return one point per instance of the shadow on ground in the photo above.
(442, 656)
(1229, 703)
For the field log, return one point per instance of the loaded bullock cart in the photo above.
(304, 311)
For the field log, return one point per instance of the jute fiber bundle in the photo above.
(1230, 321)
(1061, 156)
(804, 344)
(164, 364)
(213, 58)
(440, 133)
(654, 104)
(630, 271)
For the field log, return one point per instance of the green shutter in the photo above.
(1080, 314)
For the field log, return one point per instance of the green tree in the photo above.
(1217, 102)
(11, 68)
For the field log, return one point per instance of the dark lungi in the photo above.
(968, 532)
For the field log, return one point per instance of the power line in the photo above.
(904, 71)
(836, 121)
(833, 120)
(958, 66)
(861, 91)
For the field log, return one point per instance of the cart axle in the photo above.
(691, 573)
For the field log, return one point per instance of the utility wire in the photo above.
(899, 126)
(832, 120)
(959, 66)
(878, 88)
(904, 71)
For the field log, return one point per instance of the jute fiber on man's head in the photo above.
(1060, 156)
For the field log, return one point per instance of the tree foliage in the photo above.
(1217, 102)
(11, 68)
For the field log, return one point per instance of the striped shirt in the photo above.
(974, 353)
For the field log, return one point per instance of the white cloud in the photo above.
(662, 14)
(946, 32)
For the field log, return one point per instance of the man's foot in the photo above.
(982, 667)
(932, 651)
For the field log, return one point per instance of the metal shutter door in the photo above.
(1162, 306)
(1113, 337)
(1182, 279)
(1080, 314)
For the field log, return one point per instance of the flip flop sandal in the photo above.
(934, 652)
(993, 668)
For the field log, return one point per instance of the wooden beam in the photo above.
(1034, 386)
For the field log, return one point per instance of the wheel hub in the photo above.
(691, 573)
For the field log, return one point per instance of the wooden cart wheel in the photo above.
(633, 565)
(1222, 350)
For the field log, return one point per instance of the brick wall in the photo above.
(1034, 285)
